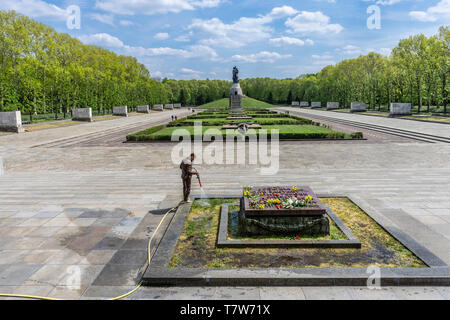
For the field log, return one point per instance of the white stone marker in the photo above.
(358, 107)
(11, 121)
(295, 103)
(332, 105)
(120, 111)
(82, 114)
(400, 109)
(177, 105)
(315, 105)
(304, 104)
(143, 109)
(158, 107)
(168, 106)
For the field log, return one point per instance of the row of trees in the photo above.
(43, 71)
(416, 72)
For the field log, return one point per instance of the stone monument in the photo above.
(400, 109)
(304, 104)
(332, 105)
(143, 109)
(11, 121)
(236, 94)
(120, 111)
(82, 114)
(358, 107)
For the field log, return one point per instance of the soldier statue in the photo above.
(235, 75)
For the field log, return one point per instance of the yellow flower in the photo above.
(294, 189)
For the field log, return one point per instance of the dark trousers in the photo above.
(186, 187)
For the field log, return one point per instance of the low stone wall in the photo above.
(168, 106)
(332, 105)
(177, 105)
(11, 122)
(120, 111)
(358, 107)
(82, 114)
(304, 104)
(315, 105)
(295, 103)
(143, 109)
(158, 107)
(400, 109)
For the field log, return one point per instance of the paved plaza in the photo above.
(78, 205)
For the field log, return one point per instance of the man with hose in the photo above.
(186, 176)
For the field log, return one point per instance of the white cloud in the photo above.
(109, 41)
(102, 39)
(263, 56)
(161, 36)
(290, 41)
(190, 73)
(126, 23)
(183, 38)
(241, 32)
(35, 9)
(356, 51)
(439, 11)
(312, 22)
(323, 60)
(132, 7)
(103, 18)
(384, 2)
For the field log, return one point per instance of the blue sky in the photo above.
(199, 39)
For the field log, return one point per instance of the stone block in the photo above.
(158, 107)
(11, 121)
(120, 111)
(315, 105)
(400, 109)
(82, 114)
(332, 105)
(143, 109)
(304, 104)
(295, 103)
(358, 107)
(177, 105)
(168, 106)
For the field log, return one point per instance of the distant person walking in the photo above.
(186, 176)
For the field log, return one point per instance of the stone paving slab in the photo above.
(60, 198)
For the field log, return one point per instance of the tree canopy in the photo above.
(45, 71)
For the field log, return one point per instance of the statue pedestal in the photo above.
(236, 96)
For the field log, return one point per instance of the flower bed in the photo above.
(281, 201)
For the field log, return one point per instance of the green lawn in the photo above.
(246, 103)
(286, 132)
(223, 121)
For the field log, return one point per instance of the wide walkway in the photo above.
(66, 213)
(437, 129)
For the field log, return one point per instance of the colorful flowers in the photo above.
(271, 202)
(289, 198)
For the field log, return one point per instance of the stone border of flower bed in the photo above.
(223, 242)
(159, 274)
